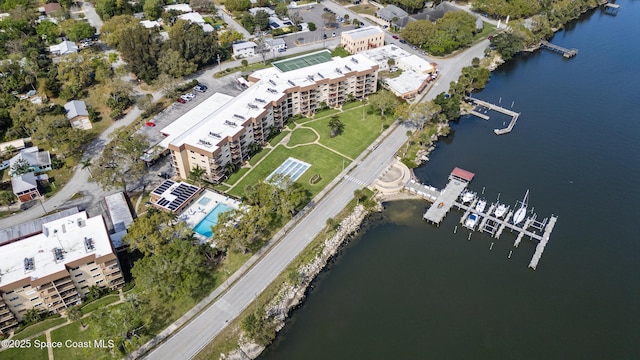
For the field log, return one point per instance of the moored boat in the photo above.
(471, 221)
(481, 205)
(501, 209)
(468, 196)
(522, 211)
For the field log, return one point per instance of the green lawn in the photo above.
(364, 9)
(302, 136)
(323, 162)
(39, 327)
(254, 160)
(357, 133)
(320, 114)
(276, 139)
(236, 176)
(102, 302)
(74, 333)
(27, 354)
(351, 105)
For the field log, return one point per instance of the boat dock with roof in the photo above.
(490, 220)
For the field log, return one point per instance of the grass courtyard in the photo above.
(310, 142)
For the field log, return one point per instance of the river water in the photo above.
(405, 289)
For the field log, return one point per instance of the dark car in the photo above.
(200, 88)
(181, 101)
(395, 37)
(403, 41)
(324, 36)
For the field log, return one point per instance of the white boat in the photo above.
(481, 205)
(522, 211)
(471, 221)
(468, 196)
(501, 210)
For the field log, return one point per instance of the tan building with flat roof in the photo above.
(54, 269)
(362, 39)
(224, 137)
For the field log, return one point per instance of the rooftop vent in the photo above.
(354, 60)
(205, 143)
(348, 68)
(261, 100)
(230, 123)
(273, 91)
(291, 83)
(215, 135)
(252, 106)
(89, 244)
(238, 116)
(58, 255)
(29, 264)
(321, 77)
(272, 82)
(338, 71)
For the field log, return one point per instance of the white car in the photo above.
(188, 96)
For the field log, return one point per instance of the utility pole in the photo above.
(218, 55)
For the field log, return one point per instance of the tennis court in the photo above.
(303, 61)
(292, 168)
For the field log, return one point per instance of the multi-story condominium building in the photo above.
(362, 39)
(54, 269)
(224, 137)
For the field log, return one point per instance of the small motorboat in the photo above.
(468, 196)
(471, 221)
(501, 210)
(481, 205)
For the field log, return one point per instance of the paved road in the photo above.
(186, 343)
(92, 16)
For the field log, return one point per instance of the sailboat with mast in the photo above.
(522, 211)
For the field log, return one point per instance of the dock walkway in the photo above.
(514, 115)
(566, 53)
(446, 199)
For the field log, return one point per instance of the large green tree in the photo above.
(237, 5)
(227, 37)
(193, 44)
(77, 30)
(141, 48)
(152, 9)
(383, 100)
(149, 233)
(120, 162)
(117, 28)
(121, 323)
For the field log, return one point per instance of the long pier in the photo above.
(446, 199)
(514, 115)
(566, 53)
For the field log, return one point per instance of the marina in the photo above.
(514, 115)
(475, 218)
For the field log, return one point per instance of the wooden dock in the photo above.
(566, 53)
(514, 115)
(443, 201)
(611, 9)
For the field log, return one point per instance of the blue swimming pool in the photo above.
(204, 226)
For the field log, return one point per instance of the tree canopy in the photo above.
(451, 32)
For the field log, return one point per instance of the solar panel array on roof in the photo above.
(163, 187)
(179, 195)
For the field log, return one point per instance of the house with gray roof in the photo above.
(39, 161)
(64, 48)
(244, 49)
(78, 115)
(25, 187)
(390, 12)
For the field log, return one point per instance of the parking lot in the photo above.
(313, 13)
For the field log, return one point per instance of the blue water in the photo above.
(405, 289)
(204, 226)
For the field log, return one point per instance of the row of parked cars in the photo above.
(190, 96)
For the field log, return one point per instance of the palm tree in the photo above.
(86, 164)
(196, 174)
(74, 313)
(336, 126)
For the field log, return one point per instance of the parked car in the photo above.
(282, 50)
(334, 34)
(4, 165)
(395, 37)
(324, 36)
(403, 41)
(150, 124)
(200, 88)
(188, 96)
(181, 100)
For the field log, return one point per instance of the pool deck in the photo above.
(193, 214)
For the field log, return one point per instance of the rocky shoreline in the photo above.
(290, 296)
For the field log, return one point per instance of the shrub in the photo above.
(315, 179)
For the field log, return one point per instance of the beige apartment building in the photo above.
(224, 136)
(54, 269)
(362, 39)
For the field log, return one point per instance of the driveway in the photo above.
(92, 16)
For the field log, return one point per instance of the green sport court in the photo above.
(303, 61)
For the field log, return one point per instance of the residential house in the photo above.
(390, 12)
(194, 17)
(244, 49)
(64, 48)
(25, 187)
(39, 161)
(78, 115)
(275, 45)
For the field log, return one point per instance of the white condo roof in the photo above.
(416, 63)
(68, 234)
(408, 81)
(193, 117)
(227, 121)
(364, 32)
